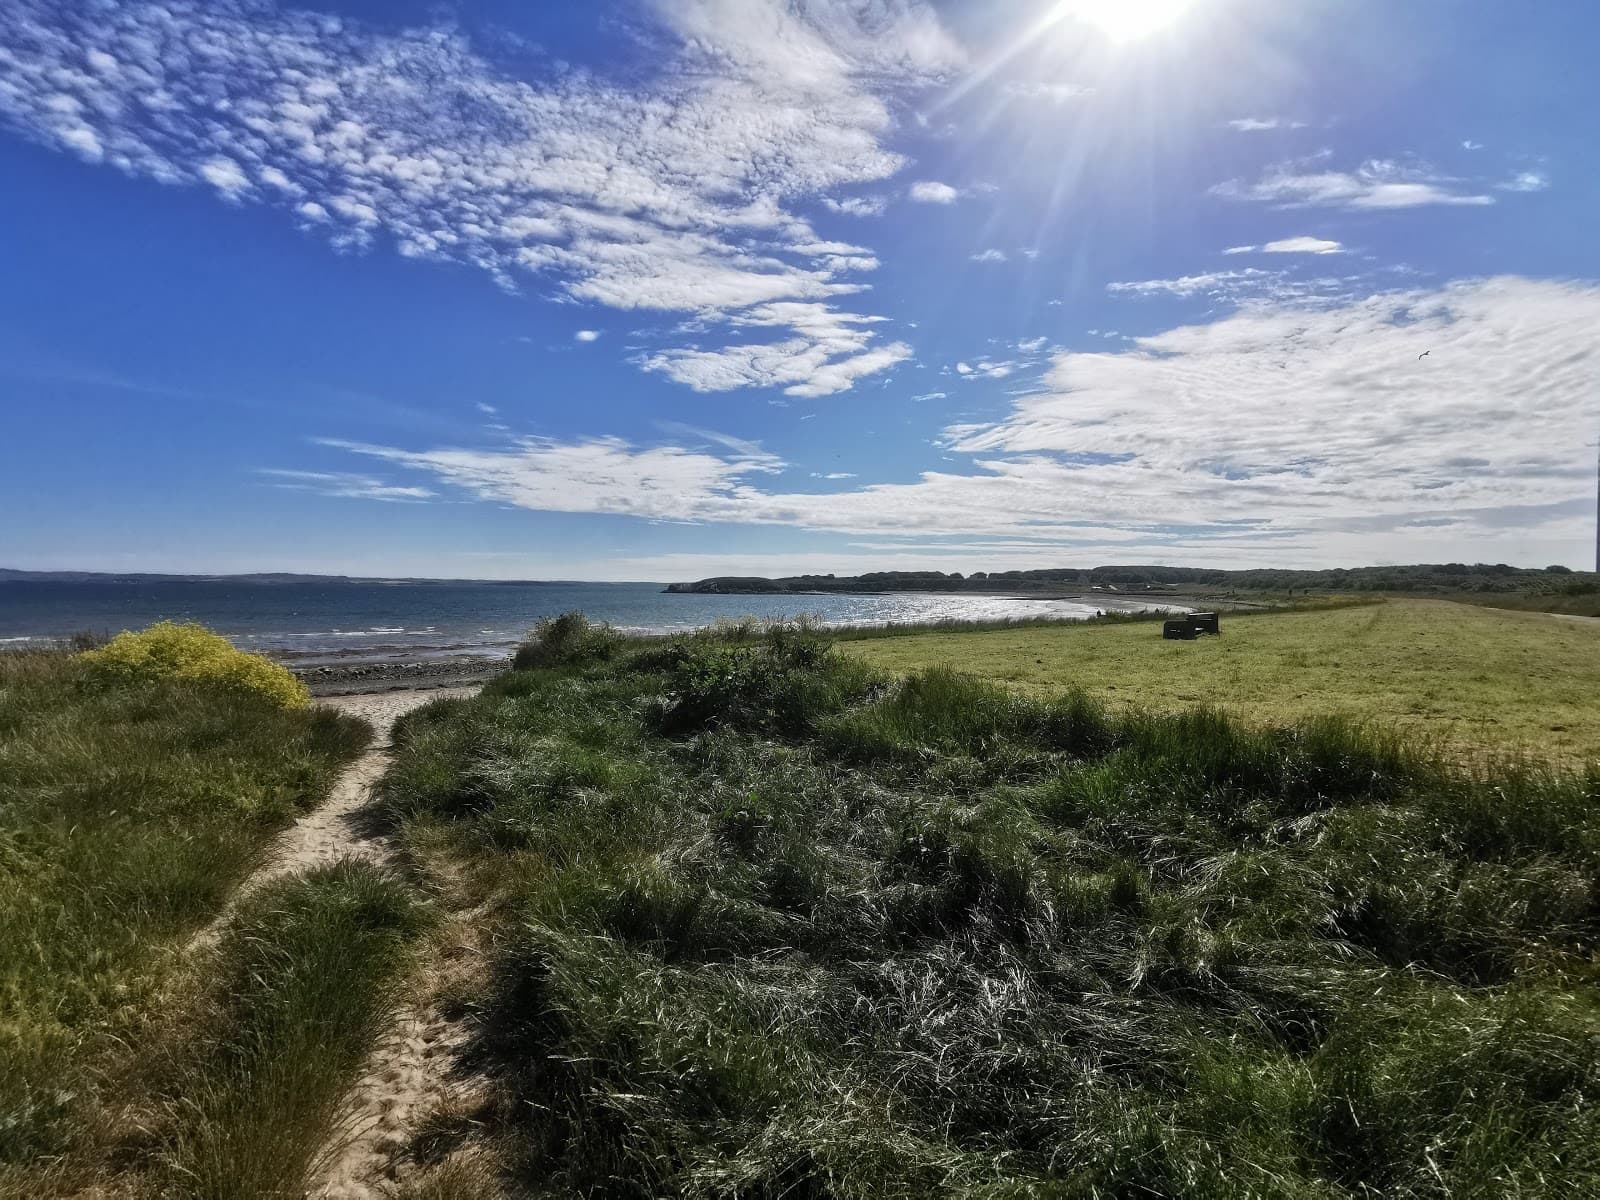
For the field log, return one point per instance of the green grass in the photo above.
(764, 924)
(305, 977)
(1471, 678)
(127, 817)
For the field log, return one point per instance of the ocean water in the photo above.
(306, 621)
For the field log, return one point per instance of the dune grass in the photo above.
(767, 923)
(1467, 677)
(127, 817)
(305, 977)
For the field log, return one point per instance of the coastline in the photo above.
(360, 677)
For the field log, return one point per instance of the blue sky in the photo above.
(656, 289)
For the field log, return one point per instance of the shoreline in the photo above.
(360, 678)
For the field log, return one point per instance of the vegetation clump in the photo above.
(568, 640)
(168, 652)
(782, 681)
(769, 924)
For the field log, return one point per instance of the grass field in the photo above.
(764, 923)
(128, 815)
(1471, 677)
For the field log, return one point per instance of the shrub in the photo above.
(567, 640)
(784, 684)
(190, 653)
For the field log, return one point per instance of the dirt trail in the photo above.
(407, 1075)
(334, 831)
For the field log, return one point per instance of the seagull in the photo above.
(1424, 355)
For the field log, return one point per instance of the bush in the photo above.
(190, 653)
(784, 684)
(565, 641)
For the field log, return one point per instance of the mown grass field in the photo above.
(765, 922)
(1474, 678)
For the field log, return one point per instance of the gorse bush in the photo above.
(172, 653)
(770, 925)
(567, 640)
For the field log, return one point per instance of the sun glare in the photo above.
(1125, 20)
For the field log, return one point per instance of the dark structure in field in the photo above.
(1186, 629)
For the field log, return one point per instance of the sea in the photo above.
(311, 621)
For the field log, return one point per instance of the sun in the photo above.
(1125, 20)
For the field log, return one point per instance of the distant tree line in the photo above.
(1424, 577)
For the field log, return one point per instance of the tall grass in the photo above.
(127, 817)
(306, 975)
(840, 936)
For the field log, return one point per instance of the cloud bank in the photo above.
(1303, 435)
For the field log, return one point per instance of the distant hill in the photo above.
(1427, 578)
(10, 575)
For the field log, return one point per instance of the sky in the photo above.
(661, 289)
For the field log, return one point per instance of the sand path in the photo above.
(407, 1075)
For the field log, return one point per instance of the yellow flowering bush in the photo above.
(191, 653)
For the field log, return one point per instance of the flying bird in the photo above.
(1424, 354)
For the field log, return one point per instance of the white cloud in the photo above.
(833, 475)
(932, 192)
(224, 175)
(985, 368)
(1303, 245)
(1376, 184)
(1215, 283)
(488, 408)
(587, 335)
(1526, 181)
(830, 353)
(1032, 345)
(345, 486)
(601, 475)
(1240, 250)
(857, 206)
(1053, 93)
(84, 140)
(1260, 124)
(989, 256)
(675, 196)
(1469, 144)
(1306, 436)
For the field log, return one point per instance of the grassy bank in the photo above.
(127, 817)
(1470, 677)
(769, 924)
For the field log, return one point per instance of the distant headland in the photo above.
(1142, 580)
